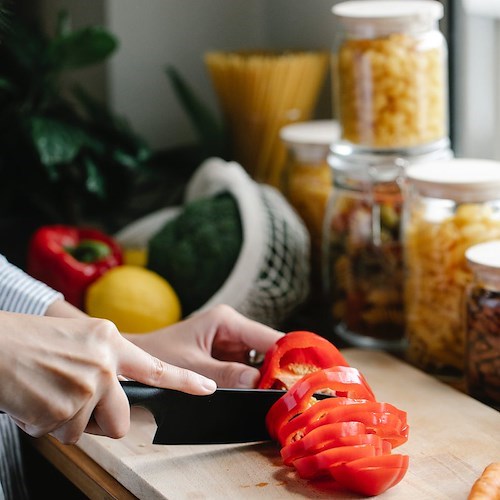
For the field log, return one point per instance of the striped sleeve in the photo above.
(21, 293)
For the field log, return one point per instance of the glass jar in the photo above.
(390, 73)
(450, 206)
(307, 179)
(482, 323)
(362, 247)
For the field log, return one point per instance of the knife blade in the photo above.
(226, 416)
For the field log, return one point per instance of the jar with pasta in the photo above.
(307, 179)
(450, 206)
(482, 323)
(363, 254)
(390, 73)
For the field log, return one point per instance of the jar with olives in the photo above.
(482, 323)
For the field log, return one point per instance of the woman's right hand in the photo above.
(61, 375)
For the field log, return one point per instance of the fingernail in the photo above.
(248, 378)
(208, 384)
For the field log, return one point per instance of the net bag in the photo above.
(270, 277)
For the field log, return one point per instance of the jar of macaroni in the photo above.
(482, 323)
(307, 179)
(363, 254)
(390, 73)
(450, 206)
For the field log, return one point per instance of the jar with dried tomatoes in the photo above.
(362, 247)
(482, 323)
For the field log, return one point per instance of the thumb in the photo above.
(232, 374)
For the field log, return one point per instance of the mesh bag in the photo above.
(270, 277)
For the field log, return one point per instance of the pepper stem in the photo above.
(89, 251)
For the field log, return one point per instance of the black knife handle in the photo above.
(139, 394)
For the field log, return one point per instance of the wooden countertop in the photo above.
(452, 438)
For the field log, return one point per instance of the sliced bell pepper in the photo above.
(69, 258)
(355, 447)
(370, 475)
(294, 355)
(322, 438)
(343, 381)
(386, 425)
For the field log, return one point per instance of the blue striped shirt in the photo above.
(21, 293)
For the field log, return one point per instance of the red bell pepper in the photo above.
(343, 381)
(295, 355)
(347, 439)
(69, 259)
(371, 475)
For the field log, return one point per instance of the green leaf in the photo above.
(81, 48)
(55, 142)
(94, 181)
(210, 131)
(63, 27)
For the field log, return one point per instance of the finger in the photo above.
(229, 374)
(251, 333)
(111, 415)
(139, 365)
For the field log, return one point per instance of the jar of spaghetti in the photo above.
(482, 323)
(390, 73)
(307, 179)
(363, 255)
(450, 206)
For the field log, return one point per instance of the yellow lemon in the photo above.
(136, 299)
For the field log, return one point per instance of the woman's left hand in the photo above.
(215, 343)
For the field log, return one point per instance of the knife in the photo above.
(226, 416)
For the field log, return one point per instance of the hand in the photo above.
(215, 343)
(60, 375)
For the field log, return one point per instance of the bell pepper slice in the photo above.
(318, 464)
(324, 437)
(370, 475)
(69, 258)
(385, 425)
(340, 381)
(295, 355)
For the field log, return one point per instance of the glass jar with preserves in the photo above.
(450, 206)
(307, 179)
(362, 248)
(390, 73)
(482, 323)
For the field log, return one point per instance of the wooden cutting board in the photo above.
(452, 438)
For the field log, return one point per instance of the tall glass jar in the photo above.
(482, 323)
(450, 206)
(390, 73)
(307, 179)
(362, 247)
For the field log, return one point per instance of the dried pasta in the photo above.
(391, 91)
(261, 92)
(436, 277)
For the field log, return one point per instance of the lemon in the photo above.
(136, 299)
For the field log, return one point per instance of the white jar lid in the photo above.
(485, 254)
(389, 15)
(460, 179)
(311, 140)
(321, 132)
